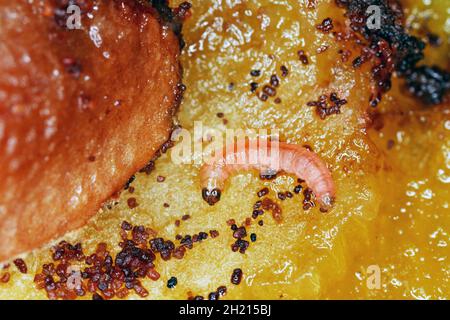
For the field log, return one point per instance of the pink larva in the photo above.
(290, 158)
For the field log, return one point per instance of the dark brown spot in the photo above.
(284, 71)
(236, 276)
(326, 25)
(302, 56)
(21, 266)
(269, 91)
(255, 73)
(274, 81)
(4, 278)
(132, 203)
(253, 86)
(214, 233)
(263, 192)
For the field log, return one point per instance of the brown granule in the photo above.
(202, 236)
(214, 233)
(164, 247)
(230, 222)
(166, 146)
(263, 192)
(284, 71)
(103, 275)
(140, 235)
(4, 278)
(269, 91)
(240, 245)
(182, 12)
(140, 290)
(326, 106)
(185, 217)
(302, 56)
(132, 203)
(322, 49)
(129, 182)
(187, 241)
(148, 168)
(325, 26)
(222, 290)
(21, 266)
(153, 274)
(213, 296)
(281, 196)
(236, 276)
(160, 178)
(253, 86)
(126, 226)
(308, 202)
(65, 251)
(274, 81)
(270, 205)
(179, 252)
(241, 232)
(263, 97)
(255, 73)
(257, 213)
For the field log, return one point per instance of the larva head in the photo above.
(211, 195)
